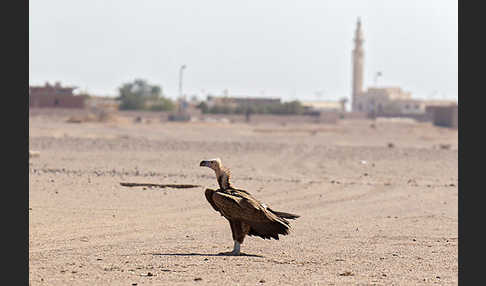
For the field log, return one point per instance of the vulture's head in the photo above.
(214, 164)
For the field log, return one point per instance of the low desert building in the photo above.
(393, 101)
(325, 106)
(387, 100)
(444, 115)
(54, 96)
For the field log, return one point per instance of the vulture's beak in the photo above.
(204, 164)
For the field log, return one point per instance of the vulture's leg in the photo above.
(238, 233)
(236, 248)
(242, 230)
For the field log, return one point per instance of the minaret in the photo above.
(358, 56)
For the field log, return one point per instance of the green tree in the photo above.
(141, 95)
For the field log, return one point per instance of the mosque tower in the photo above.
(358, 56)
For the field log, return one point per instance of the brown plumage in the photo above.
(246, 215)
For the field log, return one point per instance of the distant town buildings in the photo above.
(234, 101)
(385, 101)
(391, 101)
(54, 96)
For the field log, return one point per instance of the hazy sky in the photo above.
(278, 48)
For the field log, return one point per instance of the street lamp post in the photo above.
(181, 95)
(180, 79)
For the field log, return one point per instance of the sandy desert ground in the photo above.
(372, 213)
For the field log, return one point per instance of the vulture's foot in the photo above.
(235, 252)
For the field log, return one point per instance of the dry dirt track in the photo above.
(370, 214)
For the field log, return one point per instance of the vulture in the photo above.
(246, 215)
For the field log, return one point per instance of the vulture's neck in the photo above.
(223, 176)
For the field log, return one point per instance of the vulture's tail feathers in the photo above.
(284, 215)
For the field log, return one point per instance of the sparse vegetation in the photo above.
(162, 104)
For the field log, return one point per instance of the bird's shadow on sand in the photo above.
(224, 254)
